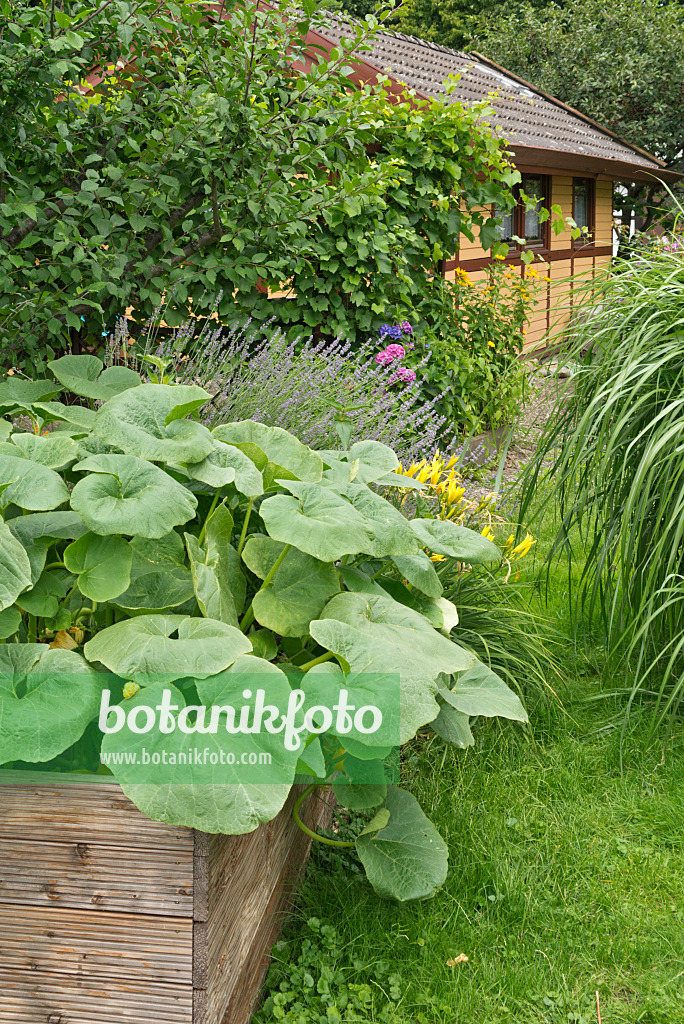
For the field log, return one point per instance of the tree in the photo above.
(451, 22)
(151, 154)
(619, 63)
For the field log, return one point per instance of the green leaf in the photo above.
(30, 485)
(75, 415)
(47, 698)
(225, 465)
(147, 421)
(35, 532)
(216, 573)
(15, 568)
(10, 620)
(264, 644)
(407, 859)
(420, 572)
(84, 375)
(102, 564)
(367, 461)
(377, 634)
(479, 691)
(159, 576)
(144, 646)
(443, 537)
(316, 520)
(322, 685)
(44, 596)
(123, 494)
(229, 798)
(17, 394)
(454, 727)
(297, 593)
(280, 447)
(358, 797)
(312, 761)
(55, 450)
(392, 532)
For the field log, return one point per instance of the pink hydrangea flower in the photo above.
(383, 357)
(395, 351)
(403, 373)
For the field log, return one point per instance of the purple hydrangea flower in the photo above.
(403, 373)
(390, 331)
(406, 327)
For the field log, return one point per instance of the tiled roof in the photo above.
(524, 117)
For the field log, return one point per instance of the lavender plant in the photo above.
(258, 374)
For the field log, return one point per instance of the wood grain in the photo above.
(93, 876)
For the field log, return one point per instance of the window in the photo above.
(526, 223)
(583, 204)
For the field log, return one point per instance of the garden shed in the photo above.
(564, 157)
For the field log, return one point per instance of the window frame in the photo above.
(541, 244)
(583, 242)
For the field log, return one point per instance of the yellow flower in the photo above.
(423, 474)
(434, 478)
(487, 532)
(437, 558)
(130, 689)
(521, 549)
(491, 344)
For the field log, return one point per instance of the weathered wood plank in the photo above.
(251, 882)
(29, 998)
(97, 945)
(90, 813)
(92, 876)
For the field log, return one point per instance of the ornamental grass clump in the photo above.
(151, 564)
(610, 462)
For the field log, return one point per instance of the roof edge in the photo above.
(566, 106)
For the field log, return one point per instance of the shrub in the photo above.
(150, 564)
(472, 334)
(611, 458)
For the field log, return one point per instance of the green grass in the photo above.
(566, 873)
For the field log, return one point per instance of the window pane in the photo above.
(581, 204)
(533, 188)
(505, 229)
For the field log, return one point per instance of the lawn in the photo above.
(566, 876)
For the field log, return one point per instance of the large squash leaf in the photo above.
(480, 691)
(280, 447)
(446, 538)
(144, 647)
(148, 421)
(216, 573)
(55, 450)
(76, 416)
(378, 635)
(297, 593)
(85, 375)
(316, 520)
(227, 464)
(15, 568)
(365, 462)
(47, 698)
(392, 532)
(226, 797)
(159, 577)
(30, 485)
(19, 395)
(36, 532)
(123, 494)
(420, 572)
(102, 565)
(454, 727)
(406, 859)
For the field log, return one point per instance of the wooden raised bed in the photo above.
(107, 917)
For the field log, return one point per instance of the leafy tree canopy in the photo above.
(152, 154)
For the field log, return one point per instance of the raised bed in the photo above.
(107, 917)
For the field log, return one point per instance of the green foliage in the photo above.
(619, 63)
(163, 175)
(453, 22)
(611, 456)
(473, 334)
(284, 572)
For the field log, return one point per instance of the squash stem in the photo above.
(316, 661)
(248, 617)
(305, 828)
(211, 509)
(243, 535)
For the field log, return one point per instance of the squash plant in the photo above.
(141, 552)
